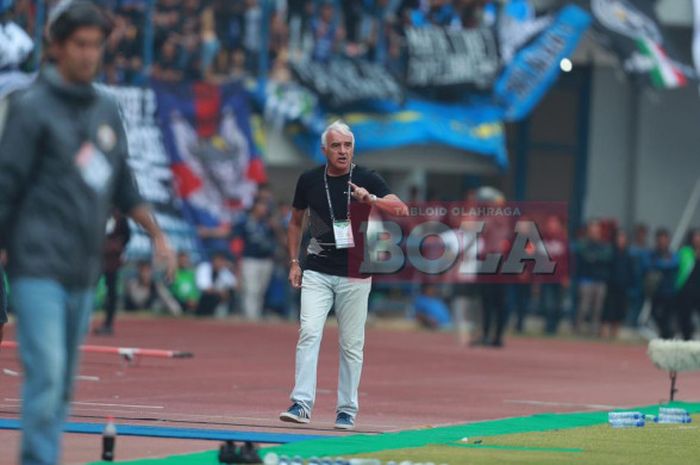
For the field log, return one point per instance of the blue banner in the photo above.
(534, 68)
(475, 128)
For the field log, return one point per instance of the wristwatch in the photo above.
(294, 260)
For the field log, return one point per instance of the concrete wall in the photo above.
(643, 159)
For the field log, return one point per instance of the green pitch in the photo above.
(593, 445)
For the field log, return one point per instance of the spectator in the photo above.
(431, 310)
(593, 263)
(688, 283)
(167, 67)
(210, 42)
(216, 284)
(493, 301)
(260, 240)
(15, 44)
(519, 292)
(641, 257)
(621, 279)
(551, 296)
(143, 292)
(252, 31)
(327, 33)
(4, 289)
(184, 287)
(118, 235)
(661, 284)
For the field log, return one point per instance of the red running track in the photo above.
(241, 375)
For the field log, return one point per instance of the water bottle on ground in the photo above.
(625, 415)
(626, 423)
(109, 438)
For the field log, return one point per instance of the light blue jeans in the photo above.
(318, 293)
(51, 324)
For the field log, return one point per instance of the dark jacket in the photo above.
(594, 260)
(63, 164)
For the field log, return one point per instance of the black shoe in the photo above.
(249, 453)
(497, 344)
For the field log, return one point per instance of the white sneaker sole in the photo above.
(289, 418)
(344, 426)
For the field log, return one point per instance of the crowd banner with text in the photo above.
(151, 166)
(535, 68)
(341, 81)
(443, 57)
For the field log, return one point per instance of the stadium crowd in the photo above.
(218, 40)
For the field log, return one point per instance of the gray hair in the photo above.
(337, 126)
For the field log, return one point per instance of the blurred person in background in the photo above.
(118, 235)
(551, 293)
(621, 279)
(688, 283)
(260, 237)
(62, 135)
(430, 308)
(252, 31)
(4, 290)
(146, 292)
(594, 257)
(641, 257)
(216, 284)
(15, 44)
(184, 286)
(327, 32)
(167, 64)
(520, 292)
(660, 283)
(493, 294)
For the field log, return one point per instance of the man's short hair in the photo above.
(70, 15)
(337, 126)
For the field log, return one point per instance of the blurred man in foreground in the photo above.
(63, 164)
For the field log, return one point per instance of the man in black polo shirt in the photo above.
(332, 275)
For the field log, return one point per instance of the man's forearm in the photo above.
(293, 240)
(143, 215)
(392, 205)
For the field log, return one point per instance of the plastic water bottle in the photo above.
(624, 415)
(626, 423)
(314, 461)
(672, 411)
(297, 460)
(284, 460)
(673, 415)
(109, 439)
(674, 419)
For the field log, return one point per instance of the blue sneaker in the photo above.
(295, 414)
(344, 421)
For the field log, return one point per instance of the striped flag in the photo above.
(663, 72)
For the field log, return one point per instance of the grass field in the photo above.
(595, 445)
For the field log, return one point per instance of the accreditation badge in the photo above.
(342, 230)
